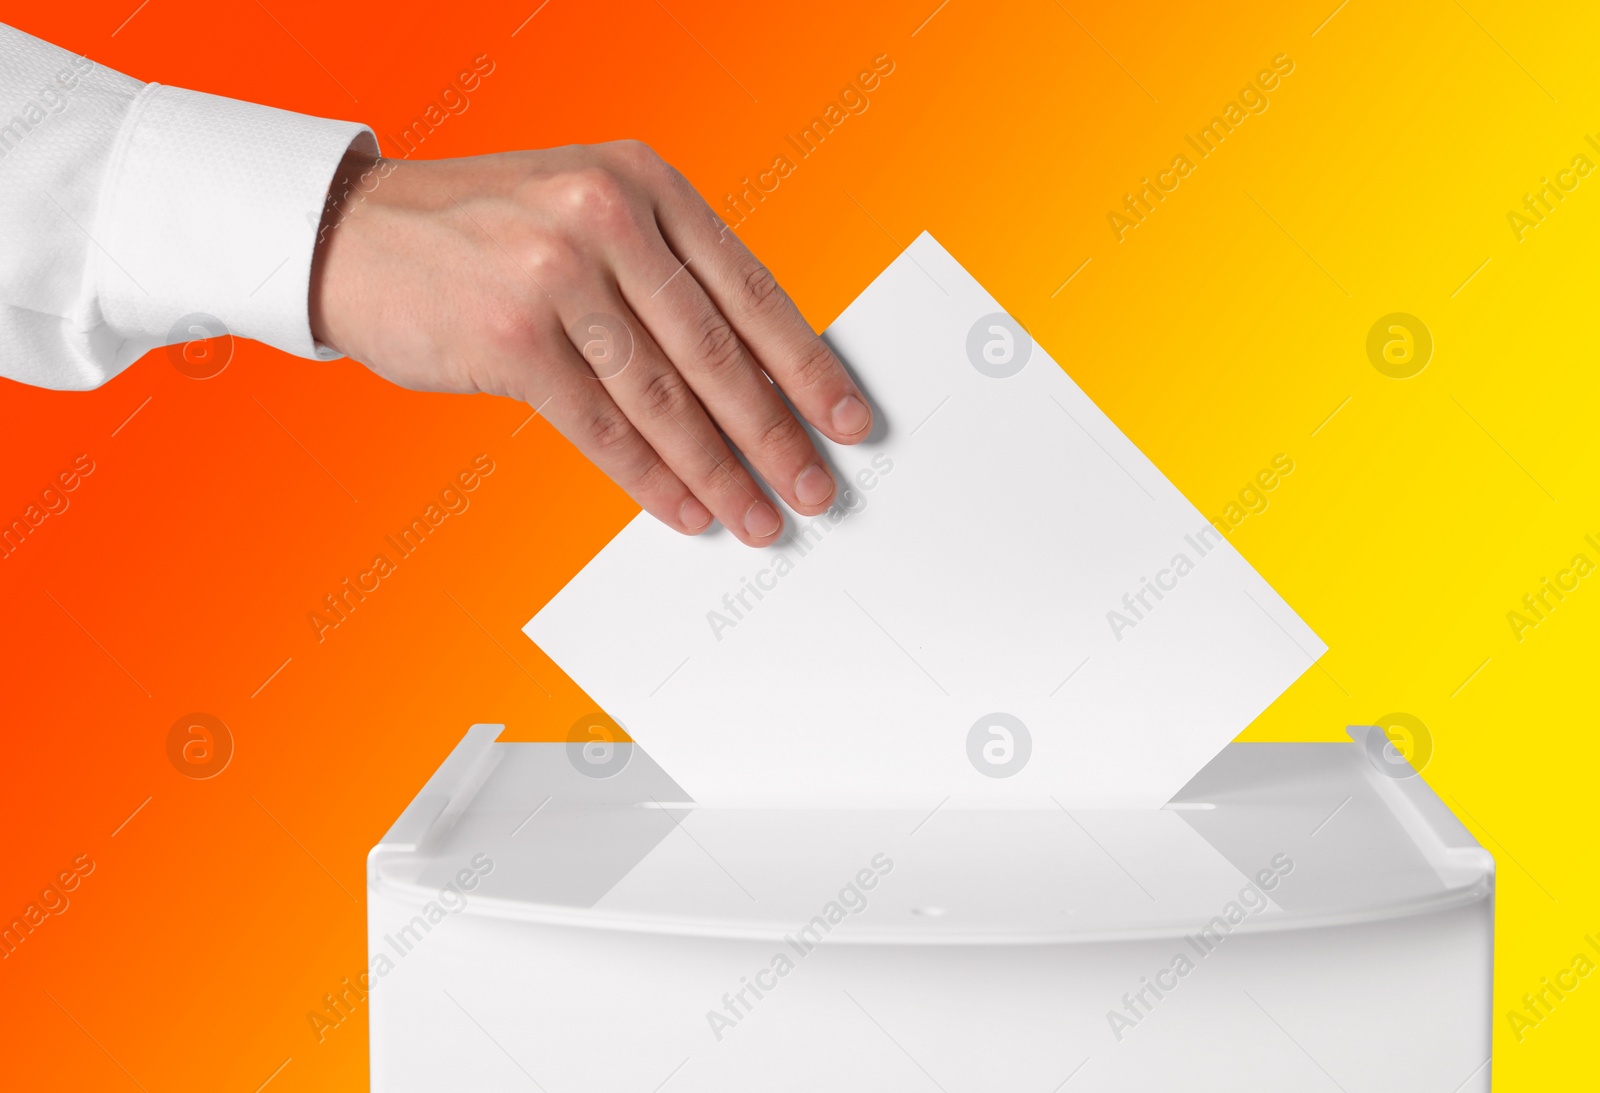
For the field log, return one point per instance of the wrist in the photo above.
(359, 173)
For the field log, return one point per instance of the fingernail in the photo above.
(694, 515)
(761, 520)
(850, 416)
(814, 486)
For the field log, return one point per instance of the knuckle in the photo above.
(638, 155)
(719, 349)
(761, 289)
(596, 196)
(782, 434)
(721, 475)
(549, 258)
(816, 364)
(652, 475)
(666, 394)
(510, 325)
(609, 431)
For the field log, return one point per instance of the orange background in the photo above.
(1229, 327)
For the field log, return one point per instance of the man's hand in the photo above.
(593, 283)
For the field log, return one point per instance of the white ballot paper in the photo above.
(1007, 606)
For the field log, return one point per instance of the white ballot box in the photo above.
(560, 917)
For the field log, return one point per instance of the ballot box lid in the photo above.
(1268, 836)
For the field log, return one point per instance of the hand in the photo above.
(593, 283)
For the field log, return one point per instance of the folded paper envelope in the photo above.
(1007, 606)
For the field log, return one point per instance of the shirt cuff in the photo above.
(210, 212)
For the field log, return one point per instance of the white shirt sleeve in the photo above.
(132, 214)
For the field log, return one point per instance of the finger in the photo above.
(723, 374)
(663, 407)
(583, 411)
(762, 314)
